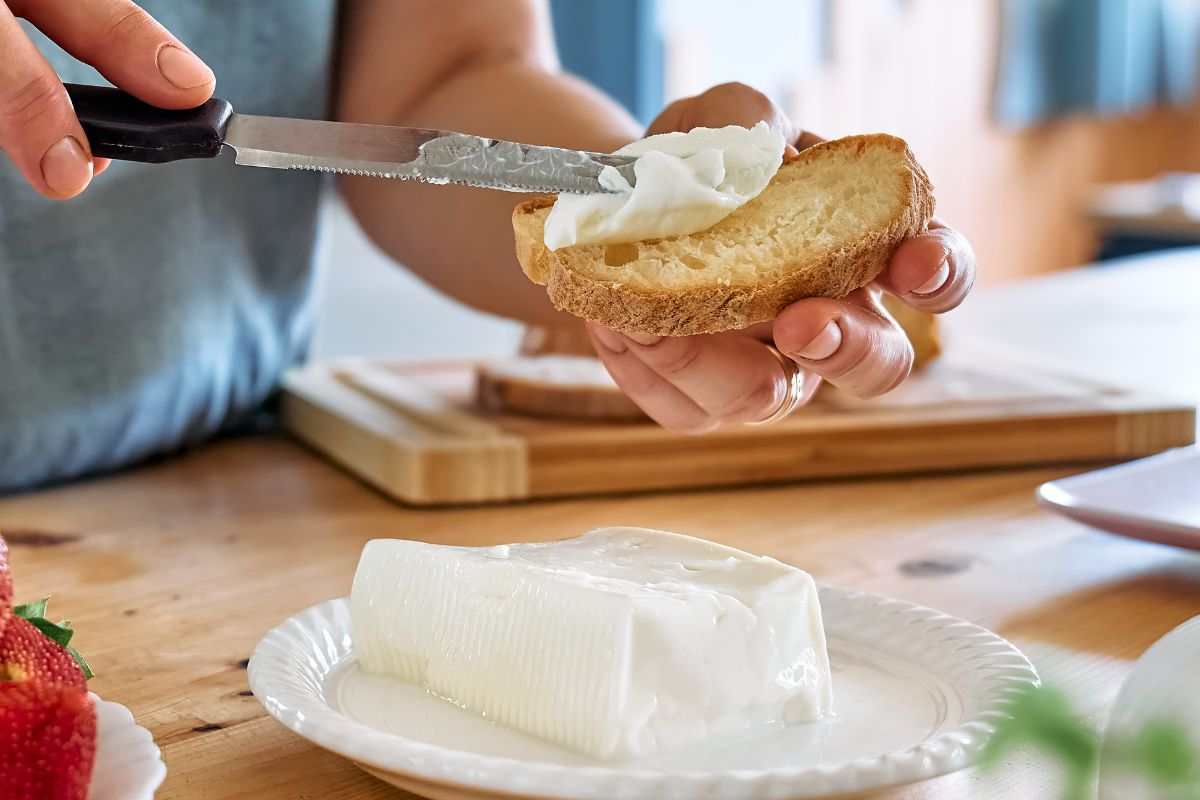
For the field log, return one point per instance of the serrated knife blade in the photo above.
(120, 126)
(431, 156)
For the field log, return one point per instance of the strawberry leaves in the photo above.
(32, 610)
(58, 632)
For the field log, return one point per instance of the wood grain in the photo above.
(180, 568)
(399, 441)
(173, 571)
(415, 432)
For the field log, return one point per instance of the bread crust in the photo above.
(712, 309)
(504, 393)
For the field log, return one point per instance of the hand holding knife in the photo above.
(121, 127)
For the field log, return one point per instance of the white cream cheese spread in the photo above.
(685, 182)
(616, 644)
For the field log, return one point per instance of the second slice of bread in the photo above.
(576, 387)
(921, 328)
(826, 225)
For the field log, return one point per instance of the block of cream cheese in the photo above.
(685, 182)
(617, 644)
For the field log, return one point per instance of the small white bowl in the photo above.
(1164, 686)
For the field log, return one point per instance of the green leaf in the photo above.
(1164, 754)
(32, 610)
(55, 633)
(60, 633)
(1042, 718)
(82, 662)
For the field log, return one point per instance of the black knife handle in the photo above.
(120, 126)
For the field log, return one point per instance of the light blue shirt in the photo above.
(163, 304)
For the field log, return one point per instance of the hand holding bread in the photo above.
(693, 349)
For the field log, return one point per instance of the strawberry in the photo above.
(6, 587)
(27, 654)
(47, 741)
(45, 652)
(47, 722)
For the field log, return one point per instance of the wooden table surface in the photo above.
(173, 571)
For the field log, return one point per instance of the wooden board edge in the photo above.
(1020, 443)
(397, 455)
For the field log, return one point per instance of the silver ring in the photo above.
(794, 397)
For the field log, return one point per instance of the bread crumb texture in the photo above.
(826, 225)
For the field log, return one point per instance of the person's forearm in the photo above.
(460, 239)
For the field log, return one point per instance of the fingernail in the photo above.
(643, 339)
(66, 167)
(183, 69)
(609, 340)
(825, 344)
(936, 282)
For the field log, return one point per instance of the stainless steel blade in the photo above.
(386, 151)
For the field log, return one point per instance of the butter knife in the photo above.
(122, 127)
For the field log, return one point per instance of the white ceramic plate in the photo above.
(1155, 498)
(917, 694)
(129, 765)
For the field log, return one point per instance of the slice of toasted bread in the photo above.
(825, 226)
(576, 387)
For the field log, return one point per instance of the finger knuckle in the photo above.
(29, 101)
(852, 357)
(737, 87)
(635, 383)
(677, 108)
(679, 103)
(672, 357)
(897, 372)
(746, 95)
(885, 362)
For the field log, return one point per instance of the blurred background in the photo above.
(1057, 132)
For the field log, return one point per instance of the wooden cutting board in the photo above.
(412, 431)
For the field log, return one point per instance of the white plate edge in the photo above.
(946, 752)
(154, 779)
